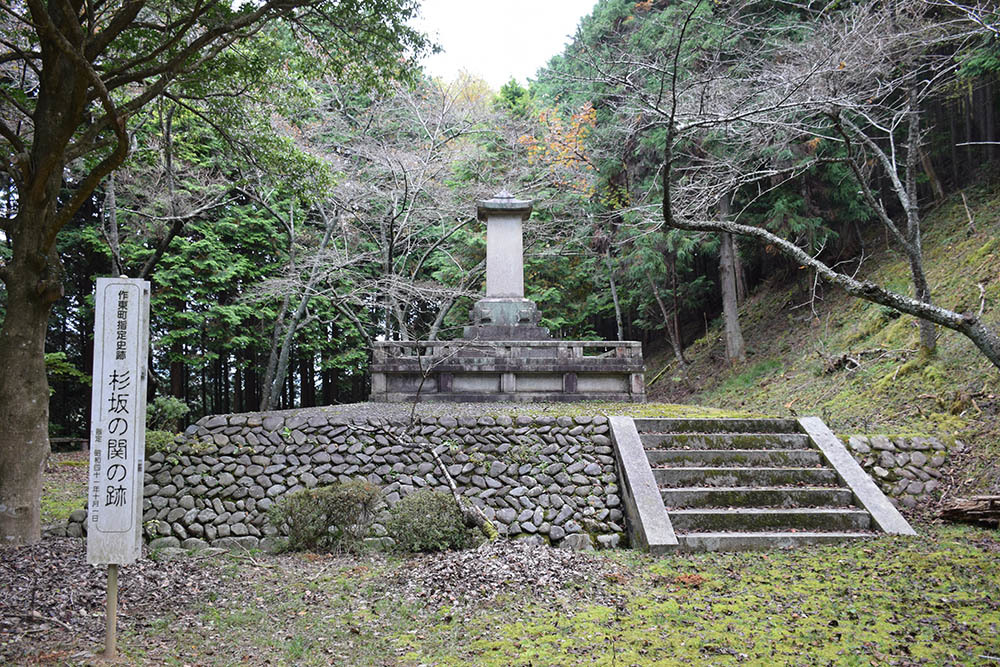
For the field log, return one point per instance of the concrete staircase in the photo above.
(749, 484)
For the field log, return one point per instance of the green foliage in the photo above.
(428, 521)
(59, 367)
(165, 413)
(160, 441)
(335, 517)
(514, 99)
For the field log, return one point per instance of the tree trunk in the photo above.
(932, 177)
(268, 399)
(984, 510)
(735, 347)
(675, 319)
(110, 215)
(326, 375)
(922, 292)
(227, 405)
(277, 366)
(953, 110)
(251, 392)
(741, 279)
(178, 369)
(672, 337)
(969, 326)
(290, 384)
(442, 313)
(238, 401)
(32, 287)
(307, 378)
(989, 118)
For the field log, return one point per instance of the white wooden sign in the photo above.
(118, 421)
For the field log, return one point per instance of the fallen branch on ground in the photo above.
(978, 509)
(852, 360)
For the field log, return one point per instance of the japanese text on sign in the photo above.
(117, 415)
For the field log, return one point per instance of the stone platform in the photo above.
(507, 370)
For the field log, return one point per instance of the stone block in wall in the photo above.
(905, 467)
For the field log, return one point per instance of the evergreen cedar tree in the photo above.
(75, 73)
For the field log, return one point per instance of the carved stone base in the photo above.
(505, 318)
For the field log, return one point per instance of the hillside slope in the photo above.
(855, 363)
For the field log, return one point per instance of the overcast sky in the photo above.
(498, 39)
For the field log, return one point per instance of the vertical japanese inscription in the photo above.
(118, 410)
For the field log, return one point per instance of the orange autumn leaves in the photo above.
(561, 147)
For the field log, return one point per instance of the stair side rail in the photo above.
(865, 491)
(649, 527)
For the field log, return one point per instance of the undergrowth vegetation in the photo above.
(428, 521)
(334, 517)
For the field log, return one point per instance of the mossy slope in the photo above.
(885, 384)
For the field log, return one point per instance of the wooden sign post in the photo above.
(117, 433)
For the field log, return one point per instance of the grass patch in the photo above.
(592, 408)
(64, 487)
(57, 507)
(751, 376)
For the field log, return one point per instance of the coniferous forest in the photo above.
(295, 187)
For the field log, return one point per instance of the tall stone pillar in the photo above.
(504, 314)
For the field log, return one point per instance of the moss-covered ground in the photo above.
(932, 600)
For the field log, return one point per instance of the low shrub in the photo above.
(429, 521)
(160, 441)
(335, 517)
(164, 413)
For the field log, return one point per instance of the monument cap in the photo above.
(503, 202)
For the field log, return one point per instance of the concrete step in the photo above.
(748, 484)
(722, 458)
(725, 441)
(761, 519)
(745, 496)
(714, 477)
(717, 426)
(733, 541)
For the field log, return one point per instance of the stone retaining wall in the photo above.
(541, 478)
(908, 469)
(545, 479)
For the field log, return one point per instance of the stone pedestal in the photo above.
(520, 370)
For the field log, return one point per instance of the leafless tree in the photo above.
(400, 203)
(859, 80)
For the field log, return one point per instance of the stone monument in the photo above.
(504, 313)
(504, 355)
